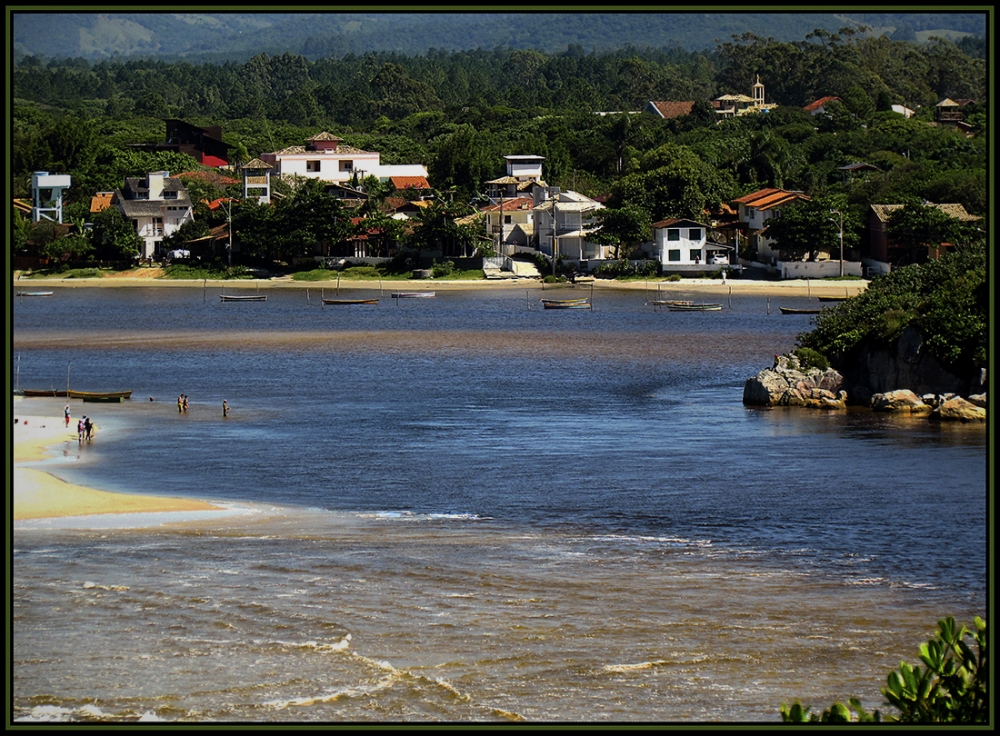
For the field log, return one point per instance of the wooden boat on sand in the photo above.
(104, 399)
(99, 395)
(34, 392)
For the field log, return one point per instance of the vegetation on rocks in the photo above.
(946, 300)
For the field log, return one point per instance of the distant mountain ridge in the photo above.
(206, 37)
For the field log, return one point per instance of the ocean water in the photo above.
(468, 508)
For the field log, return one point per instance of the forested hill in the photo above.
(215, 37)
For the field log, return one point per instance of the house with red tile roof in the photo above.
(818, 107)
(510, 222)
(755, 209)
(665, 110)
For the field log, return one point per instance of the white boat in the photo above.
(411, 294)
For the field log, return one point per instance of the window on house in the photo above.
(674, 255)
(157, 226)
(169, 194)
(695, 256)
(347, 166)
(674, 235)
(694, 233)
(313, 166)
(506, 219)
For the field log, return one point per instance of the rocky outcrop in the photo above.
(788, 383)
(959, 410)
(902, 400)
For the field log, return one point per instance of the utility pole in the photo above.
(841, 223)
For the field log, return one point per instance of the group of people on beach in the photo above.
(85, 429)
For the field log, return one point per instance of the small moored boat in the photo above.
(99, 395)
(104, 399)
(29, 392)
(566, 303)
(34, 293)
(411, 294)
(793, 310)
(694, 307)
(351, 301)
(247, 298)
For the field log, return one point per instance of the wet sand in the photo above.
(40, 495)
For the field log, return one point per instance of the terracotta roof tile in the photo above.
(669, 109)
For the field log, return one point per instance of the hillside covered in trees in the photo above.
(460, 112)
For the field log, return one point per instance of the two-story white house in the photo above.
(682, 242)
(157, 205)
(563, 220)
(755, 209)
(326, 158)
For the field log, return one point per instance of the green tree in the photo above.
(805, 228)
(954, 687)
(624, 228)
(114, 237)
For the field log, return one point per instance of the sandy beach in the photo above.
(735, 286)
(40, 495)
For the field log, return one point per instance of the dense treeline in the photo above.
(460, 112)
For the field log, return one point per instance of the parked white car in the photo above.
(720, 260)
(173, 254)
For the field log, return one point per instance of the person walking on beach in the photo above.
(225, 408)
(88, 428)
(66, 413)
(80, 430)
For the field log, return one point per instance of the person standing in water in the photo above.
(225, 408)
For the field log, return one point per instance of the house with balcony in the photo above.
(950, 112)
(325, 157)
(156, 204)
(523, 178)
(753, 212)
(563, 222)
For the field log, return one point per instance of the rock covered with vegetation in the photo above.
(794, 381)
(914, 341)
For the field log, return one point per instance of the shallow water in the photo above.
(466, 509)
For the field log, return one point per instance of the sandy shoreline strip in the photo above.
(735, 286)
(40, 495)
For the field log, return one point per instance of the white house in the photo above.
(563, 220)
(681, 242)
(524, 176)
(157, 205)
(755, 209)
(323, 157)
